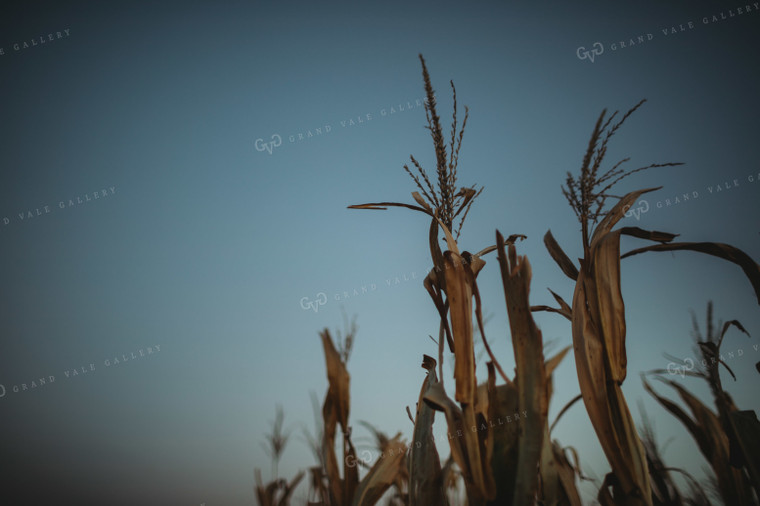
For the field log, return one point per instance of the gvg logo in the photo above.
(674, 368)
(642, 208)
(365, 458)
(583, 54)
(276, 142)
(321, 300)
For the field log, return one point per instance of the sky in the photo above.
(174, 183)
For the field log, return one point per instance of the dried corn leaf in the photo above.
(564, 308)
(436, 398)
(465, 444)
(317, 485)
(468, 194)
(599, 340)
(382, 474)
(609, 306)
(562, 304)
(720, 250)
(564, 410)
(556, 487)
(616, 213)
(383, 206)
(652, 235)
(559, 256)
(551, 310)
(509, 240)
(338, 380)
(267, 495)
(425, 477)
(531, 371)
(504, 457)
(459, 293)
(335, 411)
(606, 405)
(567, 472)
(289, 488)
(679, 413)
(350, 473)
(706, 429)
(553, 362)
(747, 430)
(550, 490)
(435, 282)
(460, 287)
(422, 202)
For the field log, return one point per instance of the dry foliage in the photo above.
(729, 438)
(277, 492)
(498, 463)
(517, 463)
(598, 311)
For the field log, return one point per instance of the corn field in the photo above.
(484, 460)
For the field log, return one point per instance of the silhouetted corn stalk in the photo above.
(335, 411)
(729, 438)
(499, 464)
(557, 473)
(278, 491)
(598, 312)
(399, 478)
(426, 484)
(328, 484)
(665, 492)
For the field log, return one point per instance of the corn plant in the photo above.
(665, 492)
(278, 491)
(514, 463)
(499, 465)
(328, 484)
(728, 438)
(597, 312)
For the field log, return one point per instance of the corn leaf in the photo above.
(725, 251)
(425, 477)
(335, 412)
(747, 429)
(598, 325)
(462, 453)
(459, 293)
(559, 256)
(706, 429)
(382, 474)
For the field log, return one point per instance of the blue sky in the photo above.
(204, 247)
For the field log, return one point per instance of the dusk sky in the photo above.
(174, 186)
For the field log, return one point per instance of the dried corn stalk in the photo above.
(335, 412)
(707, 431)
(533, 397)
(383, 474)
(267, 495)
(729, 438)
(425, 474)
(598, 312)
(557, 473)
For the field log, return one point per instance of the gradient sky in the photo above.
(204, 247)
